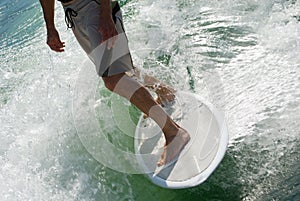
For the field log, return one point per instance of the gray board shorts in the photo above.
(84, 18)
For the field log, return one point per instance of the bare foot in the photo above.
(174, 146)
(165, 95)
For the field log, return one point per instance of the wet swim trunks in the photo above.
(83, 16)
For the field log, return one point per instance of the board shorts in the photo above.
(83, 16)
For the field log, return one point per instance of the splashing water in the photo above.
(243, 56)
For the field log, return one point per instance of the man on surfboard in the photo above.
(97, 26)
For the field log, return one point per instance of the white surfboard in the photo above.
(200, 157)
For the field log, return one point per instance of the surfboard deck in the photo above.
(200, 157)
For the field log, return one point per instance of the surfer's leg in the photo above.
(118, 82)
(138, 95)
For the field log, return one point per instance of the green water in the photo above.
(242, 56)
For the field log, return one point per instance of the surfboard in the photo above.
(199, 158)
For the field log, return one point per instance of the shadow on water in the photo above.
(223, 184)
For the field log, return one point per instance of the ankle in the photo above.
(170, 130)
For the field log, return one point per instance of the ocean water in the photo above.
(241, 55)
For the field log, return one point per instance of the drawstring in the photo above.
(69, 13)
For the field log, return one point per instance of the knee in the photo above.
(111, 81)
